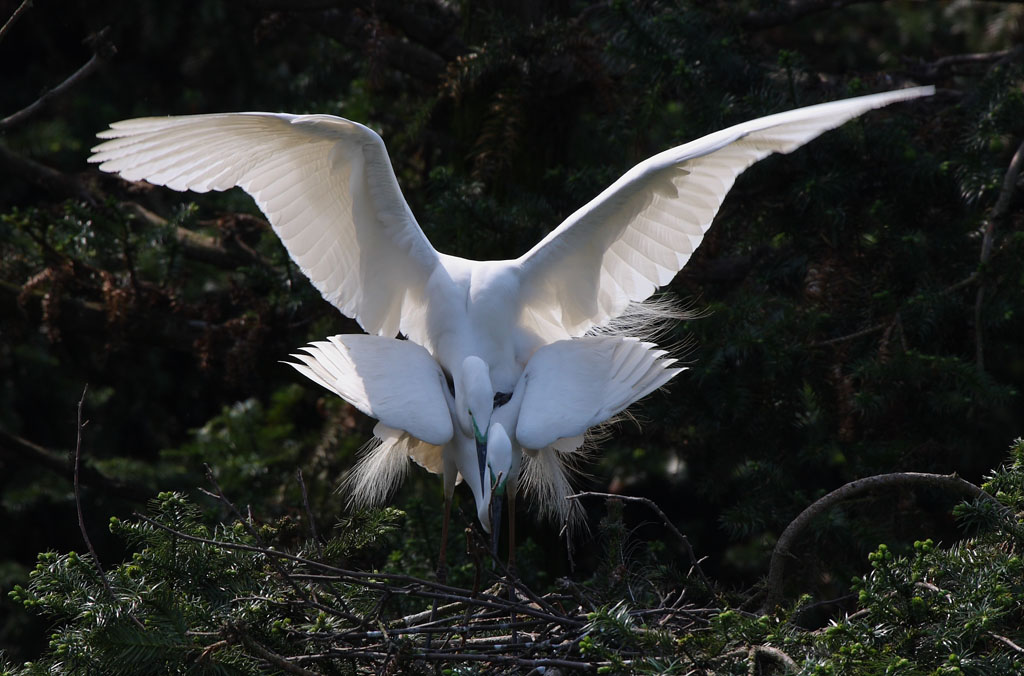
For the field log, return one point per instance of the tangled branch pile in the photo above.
(202, 596)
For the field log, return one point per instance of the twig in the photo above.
(103, 50)
(299, 591)
(309, 513)
(998, 212)
(783, 548)
(851, 336)
(22, 8)
(457, 657)
(238, 634)
(938, 68)
(1006, 641)
(18, 449)
(694, 562)
(81, 517)
(368, 580)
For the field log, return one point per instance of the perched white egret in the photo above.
(328, 189)
(566, 388)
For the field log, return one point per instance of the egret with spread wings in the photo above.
(328, 189)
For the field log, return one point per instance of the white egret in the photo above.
(328, 189)
(566, 388)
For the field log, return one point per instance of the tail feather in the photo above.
(545, 479)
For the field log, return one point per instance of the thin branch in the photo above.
(22, 8)
(940, 67)
(463, 657)
(368, 580)
(17, 449)
(852, 336)
(694, 562)
(1008, 642)
(81, 517)
(239, 635)
(102, 51)
(794, 10)
(783, 548)
(309, 513)
(299, 591)
(78, 497)
(998, 213)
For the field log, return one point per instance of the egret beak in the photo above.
(481, 449)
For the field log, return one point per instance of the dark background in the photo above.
(847, 323)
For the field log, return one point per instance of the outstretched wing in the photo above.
(395, 381)
(637, 234)
(572, 385)
(325, 184)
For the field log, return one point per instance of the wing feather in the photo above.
(601, 258)
(609, 373)
(325, 184)
(395, 381)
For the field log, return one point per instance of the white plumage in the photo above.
(328, 189)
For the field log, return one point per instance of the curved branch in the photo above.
(998, 213)
(783, 548)
(102, 51)
(22, 8)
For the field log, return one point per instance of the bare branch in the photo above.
(81, 517)
(941, 67)
(694, 563)
(22, 8)
(21, 450)
(783, 548)
(49, 179)
(102, 51)
(237, 634)
(309, 513)
(998, 213)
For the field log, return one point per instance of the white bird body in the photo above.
(327, 187)
(567, 388)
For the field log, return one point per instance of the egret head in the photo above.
(474, 398)
(499, 458)
(499, 466)
(474, 403)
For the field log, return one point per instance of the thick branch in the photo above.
(103, 50)
(227, 255)
(998, 213)
(783, 548)
(52, 181)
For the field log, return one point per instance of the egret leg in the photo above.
(511, 532)
(512, 556)
(496, 525)
(442, 557)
